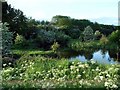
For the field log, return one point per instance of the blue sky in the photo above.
(101, 11)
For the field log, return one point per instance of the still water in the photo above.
(100, 56)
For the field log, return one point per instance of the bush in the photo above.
(73, 33)
(19, 39)
(103, 40)
(62, 38)
(21, 42)
(97, 35)
(114, 37)
(77, 45)
(46, 38)
(6, 39)
(55, 46)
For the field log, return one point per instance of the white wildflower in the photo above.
(73, 62)
(106, 84)
(108, 75)
(92, 61)
(21, 74)
(97, 69)
(86, 65)
(77, 70)
(114, 86)
(9, 63)
(72, 67)
(95, 78)
(78, 76)
(83, 71)
(101, 77)
(116, 69)
(81, 66)
(4, 65)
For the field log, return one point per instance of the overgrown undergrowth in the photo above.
(41, 72)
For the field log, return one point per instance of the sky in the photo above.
(101, 11)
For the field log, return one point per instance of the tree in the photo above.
(62, 22)
(115, 37)
(88, 34)
(31, 29)
(6, 39)
(15, 18)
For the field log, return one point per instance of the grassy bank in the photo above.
(77, 45)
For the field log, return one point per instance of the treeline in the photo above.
(33, 33)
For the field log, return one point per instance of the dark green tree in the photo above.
(15, 18)
(88, 34)
(115, 37)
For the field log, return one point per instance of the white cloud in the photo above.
(87, 9)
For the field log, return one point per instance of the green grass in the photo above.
(30, 51)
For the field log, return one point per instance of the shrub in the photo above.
(21, 42)
(62, 38)
(73, 33)
(6, 39)
(114, 37)
(19, 39)
(103, 40)
(97, 35)
(46, 38)
(55, 46)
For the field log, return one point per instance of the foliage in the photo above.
(103, 40)
(55, 46)
(53, 73)
(15, 18)
(78, 45)
(74, 33)
(57, 18)
(6, 39)
(20, 40)
(115, 37)
(46, 38)
(38, 51)
(88, 34)
(97, 35)
(31, 29)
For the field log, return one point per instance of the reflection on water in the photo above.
(98, 56)
(101, 56)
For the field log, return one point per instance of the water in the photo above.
(101, 56)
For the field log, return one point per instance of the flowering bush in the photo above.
(41, 72)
